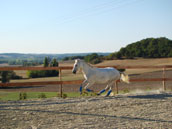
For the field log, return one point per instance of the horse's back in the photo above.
(107, 74)
(108, 69)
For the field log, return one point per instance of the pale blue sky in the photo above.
(75, 26)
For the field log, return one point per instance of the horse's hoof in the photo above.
(98, 94)
(88, 90)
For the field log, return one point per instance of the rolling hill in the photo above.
(146, 48)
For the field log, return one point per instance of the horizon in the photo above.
(77, 52)
(57, 53)
(64, 27)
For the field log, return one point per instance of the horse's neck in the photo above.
(86, 68)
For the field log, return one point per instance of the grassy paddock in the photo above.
(14, 96)
(5, 96)
(30, 95)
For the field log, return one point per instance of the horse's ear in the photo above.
(78, 60)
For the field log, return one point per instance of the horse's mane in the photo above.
(90, 65)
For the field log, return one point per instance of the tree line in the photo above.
(45, 73)
(146, 48)
(93, 58)
(5, 76)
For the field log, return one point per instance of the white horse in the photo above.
(95, 75)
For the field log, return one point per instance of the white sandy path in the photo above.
(122, 111)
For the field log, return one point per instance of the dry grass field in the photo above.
(142, 62)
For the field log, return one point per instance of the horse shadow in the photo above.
(152, 96)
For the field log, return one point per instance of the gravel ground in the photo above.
(151, 110)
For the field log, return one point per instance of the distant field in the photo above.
(140, 61)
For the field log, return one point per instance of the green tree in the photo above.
(54, 63)
(45, 73)
(7, 75)
(93, 58)
(4, 76)
(170, 53)
(147, 48)
(46, 61)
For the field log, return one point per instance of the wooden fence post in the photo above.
(116, 85)
(61, 86)
(163, 82)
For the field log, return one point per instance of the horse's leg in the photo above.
(102, 91)
(88, 85)
(110, 90)
(81, 86)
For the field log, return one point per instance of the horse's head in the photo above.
(76, 66)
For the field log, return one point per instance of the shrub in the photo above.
(7, 75)
(63, 95)
(45, 73)
(126, 90)
(42, 95)
(22, 96)
(42, 73)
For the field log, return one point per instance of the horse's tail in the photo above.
(124, 77)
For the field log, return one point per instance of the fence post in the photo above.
(61, 86)
(163, 82)
(116, 85)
